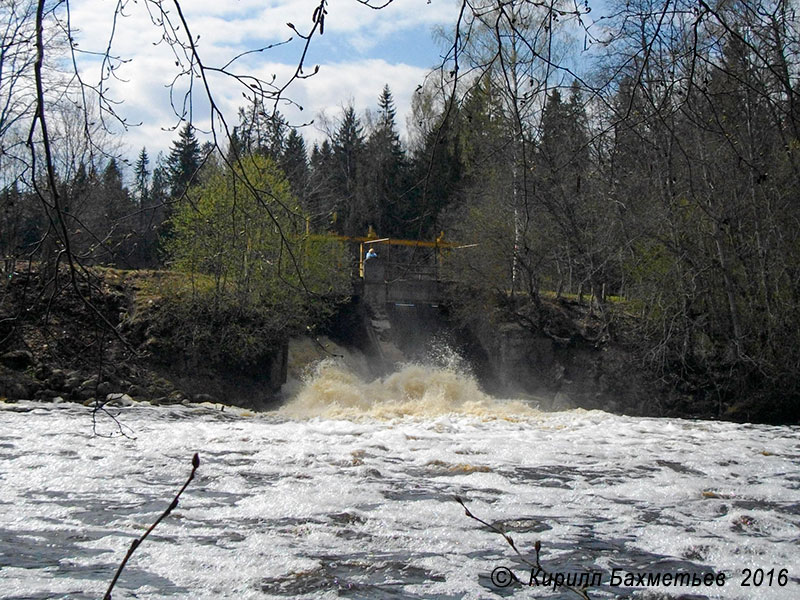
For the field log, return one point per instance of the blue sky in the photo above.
(361, 50)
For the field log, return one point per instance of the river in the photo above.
(348, 491)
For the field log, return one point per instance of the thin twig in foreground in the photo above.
(537, 547)
(137, 542)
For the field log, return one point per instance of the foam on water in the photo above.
(332, 390)
(323, 506)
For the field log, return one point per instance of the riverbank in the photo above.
(143, 336)
(123, 336)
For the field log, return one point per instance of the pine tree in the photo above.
(261, 132)
(294, 163)
(322, 196)
(438, 170)
(348, 158)
(160, 182)
(391, 205)
(116, 196)
(141, 177)
(184, 161)
(155, 229)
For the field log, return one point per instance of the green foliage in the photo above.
(184, 161)
(244, 235)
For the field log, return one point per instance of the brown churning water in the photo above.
(331, 390)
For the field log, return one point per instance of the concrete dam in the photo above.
(402, 309)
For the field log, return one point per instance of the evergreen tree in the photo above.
(103, 231)
(160, 184)
(261, 132)
(483, 135)
(489, 207)
(349, 147)
(77, 189)
(322, 195)
(294, 163)
(21, 224)
(391, 204)
(582, 229)
(115, 195)
(155, 215)
(184, 161)
(438, 172)
(141, 177)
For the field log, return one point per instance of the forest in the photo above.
(648, 165)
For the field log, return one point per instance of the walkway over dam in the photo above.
(404, 272)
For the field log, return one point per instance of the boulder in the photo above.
(43, 371)
(73, 380)
(17, 390)
(57, 379)
(84, 393)
(89, 383)
(137, 391)
(45, 395)
(205, 398)
(176, 397)
(117, 399)
(17, 359)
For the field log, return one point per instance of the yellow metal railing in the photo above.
(367, 241)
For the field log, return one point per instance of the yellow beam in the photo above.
(388, 241)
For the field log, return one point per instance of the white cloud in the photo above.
(361, 82)
(354, 56)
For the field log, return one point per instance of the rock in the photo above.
(17, 359)
(205, 398)
(73, 380)
(562, 402)
(89, 383)
(43, 371)
(103, 388)
(119, 400)
(45, 395)
(58, 400)
(160, 387)
(89, 401)
(137, 391)
(17, 390)
(175, 397)
(57, 379)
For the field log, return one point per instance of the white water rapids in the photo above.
(348, 492)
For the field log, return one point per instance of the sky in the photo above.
(361, 50)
